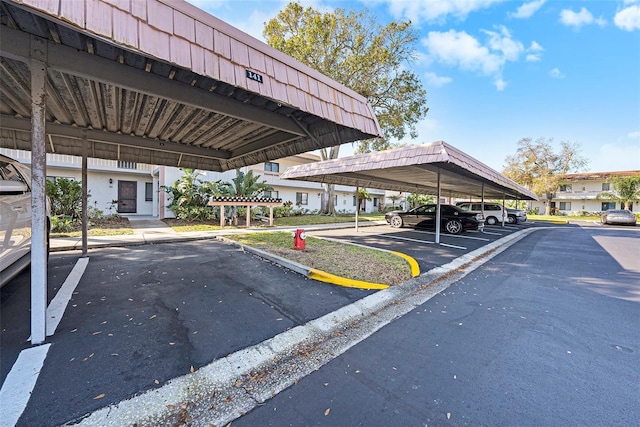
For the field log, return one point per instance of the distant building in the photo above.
(579, 193)
(130, 189)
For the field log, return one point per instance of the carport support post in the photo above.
(438, 215)
(38, 194)
(504, 208)
(357, 206)
(85, 195)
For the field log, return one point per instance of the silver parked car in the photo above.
(493, 212)
(15, 218)
(618, 216)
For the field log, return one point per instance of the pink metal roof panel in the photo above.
(388, 170)
(180, 34)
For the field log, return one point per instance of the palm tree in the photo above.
(363, 194)
(245, 185)
(626, 191)
(394, 198)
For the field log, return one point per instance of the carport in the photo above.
(158, 82)
(436, 168)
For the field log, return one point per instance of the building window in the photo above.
(127, 165)
(302, 198)
(375, 201)
(335, 200)
(606, 186)
(270, 194)
(565, 188)
(608, 205)
(148, 191)
(565, 206)
(354, 200)
(272, 167)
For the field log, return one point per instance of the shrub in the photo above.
(66, 197)
(62, 224)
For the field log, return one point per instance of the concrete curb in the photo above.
(284, 359)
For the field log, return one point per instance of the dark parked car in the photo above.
(452, 219)
(618, 216)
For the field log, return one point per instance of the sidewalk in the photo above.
(152, 231)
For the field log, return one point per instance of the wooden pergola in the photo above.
(245, 201)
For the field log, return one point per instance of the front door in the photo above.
(127, 196)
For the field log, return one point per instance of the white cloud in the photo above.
(459, 49)
(628, 19)
(432, 79)
(634, 135)
(434, 10)
(556, 74)
(527, 10)
(579, 19)
(534, 52)
(500, 84)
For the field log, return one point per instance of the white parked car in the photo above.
(493, 212)
(15, 218)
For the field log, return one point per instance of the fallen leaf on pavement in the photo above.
(100, 396)
(327, 412)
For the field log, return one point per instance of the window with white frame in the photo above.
(302, 198)
(565, 187)
(608, 205)
(148, 191)
(606, 186)
(565, 206)
(271, 167)
(270, 194)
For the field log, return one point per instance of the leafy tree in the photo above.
(626, 190)
(66, 197)
(353, 49)
(190, 195)
(416, 200)
(538, 167)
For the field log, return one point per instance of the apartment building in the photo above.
(579, 193)
(133, 189)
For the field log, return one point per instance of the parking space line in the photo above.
(58, 304)
(19, 383)
(455, 235)
(409, 239)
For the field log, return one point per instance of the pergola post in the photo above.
(38, 193)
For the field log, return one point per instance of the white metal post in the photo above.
(85, 195)
(357, 206)
(438, 210)
(38, 195)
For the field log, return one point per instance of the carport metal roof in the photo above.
(162, 82)
(415, 169)
(158, 82)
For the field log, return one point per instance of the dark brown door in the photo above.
(127, 192)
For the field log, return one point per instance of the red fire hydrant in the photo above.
(299, 237)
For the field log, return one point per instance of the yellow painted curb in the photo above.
(415, 268)
(342, 281)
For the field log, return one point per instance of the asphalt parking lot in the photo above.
(420, 243)
(142, 315)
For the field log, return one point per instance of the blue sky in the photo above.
(498, 71)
